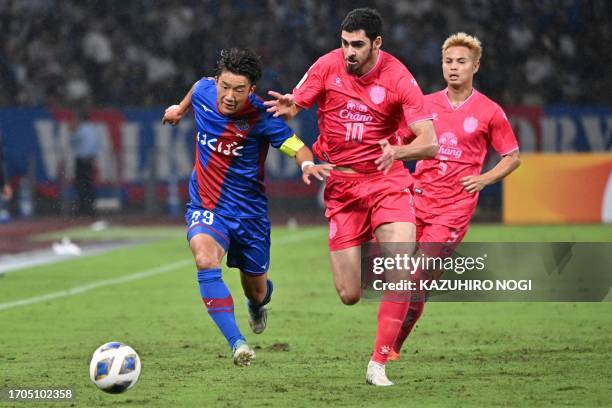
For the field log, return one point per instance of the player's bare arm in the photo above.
(304, 160)
(506, 165)
(282, 105)
(294, 147)
(173, 114)
(424, 146)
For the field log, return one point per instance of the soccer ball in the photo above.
(114, 367)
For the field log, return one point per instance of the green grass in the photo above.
(314, 351)
(540, 233)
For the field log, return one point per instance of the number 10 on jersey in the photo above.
(354, 132)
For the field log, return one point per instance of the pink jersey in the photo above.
(464, 134)
(355, 113)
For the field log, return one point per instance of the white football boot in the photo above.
(243, 354)
(376, 375)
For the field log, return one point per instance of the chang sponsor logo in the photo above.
(448, 145)
(355, 111)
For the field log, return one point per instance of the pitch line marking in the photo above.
(136, 276)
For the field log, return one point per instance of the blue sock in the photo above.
(266, 300)
(219, 302)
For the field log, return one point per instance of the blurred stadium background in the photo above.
(545, 62)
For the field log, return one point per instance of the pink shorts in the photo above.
(357, 204)
(438, 239)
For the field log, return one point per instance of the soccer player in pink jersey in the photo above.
(446, 188)
(363, 94)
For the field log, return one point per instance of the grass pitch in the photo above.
(314, 351)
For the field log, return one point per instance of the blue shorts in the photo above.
(246, 240)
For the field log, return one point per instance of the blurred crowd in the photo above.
(150, 52)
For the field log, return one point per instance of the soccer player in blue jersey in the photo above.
(227, 211)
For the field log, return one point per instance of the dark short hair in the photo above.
(366, 19)
(240, 61)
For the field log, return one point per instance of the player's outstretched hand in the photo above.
(473, 184)
(319, 171)
(281, 105)
(172, 115)
(385, 161)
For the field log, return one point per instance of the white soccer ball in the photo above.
(114, 367)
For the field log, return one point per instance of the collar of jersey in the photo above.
(371, 74)
(450, 104)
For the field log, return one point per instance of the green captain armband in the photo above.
(291, 146)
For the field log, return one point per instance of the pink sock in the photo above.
(414, 312)
(390, 318)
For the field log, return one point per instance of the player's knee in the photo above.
(348, 297)
(206, 261)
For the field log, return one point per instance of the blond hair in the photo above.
(464, 40)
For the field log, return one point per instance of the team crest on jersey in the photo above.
(241, 125)
(470, 124)
(377, 94)
(338, 82)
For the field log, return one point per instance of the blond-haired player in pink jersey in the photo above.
(446, 188)
(363, 94)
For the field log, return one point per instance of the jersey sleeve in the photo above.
(404, 135)
(199, 85)
(501, 135)
(198, 94)
(276, 131)
(311, 86)
(411, 97)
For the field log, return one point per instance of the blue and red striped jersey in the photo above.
(228, 175)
